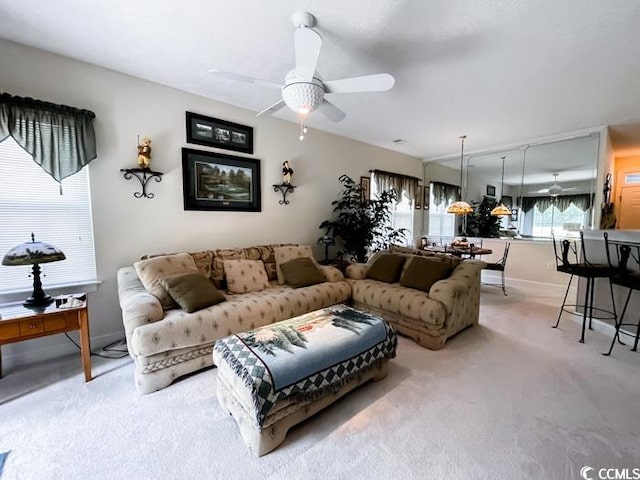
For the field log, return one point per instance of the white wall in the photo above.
(126, 227)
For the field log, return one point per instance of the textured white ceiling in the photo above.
(500, 71)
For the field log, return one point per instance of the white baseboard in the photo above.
(537, 292)
(37, 350)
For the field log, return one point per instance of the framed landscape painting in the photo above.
(213, 181)
(213, 132)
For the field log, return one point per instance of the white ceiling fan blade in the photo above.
(379, 82)
(307, 43)
(330, 111)
(272, 109)
(243, 78)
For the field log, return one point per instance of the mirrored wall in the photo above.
(549, 187)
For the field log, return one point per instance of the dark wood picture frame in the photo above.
(214, 181)
(491, 191)
(418, 200)
(213, 132)
(514, 214)
(365, 185)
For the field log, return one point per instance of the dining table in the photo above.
(470, 251)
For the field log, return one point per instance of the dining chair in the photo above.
(499, 266)
(585, 269)
(624, 261)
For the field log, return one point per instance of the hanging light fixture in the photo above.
(460, 207)
(501, 210)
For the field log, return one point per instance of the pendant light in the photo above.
(501, 210)
(460, 207)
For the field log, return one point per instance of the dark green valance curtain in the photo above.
(60, 139)
(444, 193)
(583, 201)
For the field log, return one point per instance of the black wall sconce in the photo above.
(284, 189)
(144, 175)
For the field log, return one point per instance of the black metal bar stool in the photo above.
(627, 275)
(584, 269)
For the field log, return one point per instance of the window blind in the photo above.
(31, 201)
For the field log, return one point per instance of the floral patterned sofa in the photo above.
(166, 344)
(429, 318)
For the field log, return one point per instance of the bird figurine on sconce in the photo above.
(144, 152)
(287, 171)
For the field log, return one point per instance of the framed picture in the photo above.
(514, 214)
(418, 200)
(425, 197)
(213, 132)
(213, 181)
(491, 191)
(365, 185)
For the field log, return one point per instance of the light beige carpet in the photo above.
(510, 399)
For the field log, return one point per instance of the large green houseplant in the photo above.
(362, 225)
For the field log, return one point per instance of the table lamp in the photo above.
(34, 253)
(327, 241)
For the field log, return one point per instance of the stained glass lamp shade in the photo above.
(34, 253)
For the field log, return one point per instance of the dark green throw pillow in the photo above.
(302, 272)
(386, 268)
(192, 291)
(422, 272)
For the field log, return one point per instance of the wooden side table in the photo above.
(18, 323)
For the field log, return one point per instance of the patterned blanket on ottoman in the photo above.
(302, 359)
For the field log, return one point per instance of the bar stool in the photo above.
(627, 276)
(584, 269)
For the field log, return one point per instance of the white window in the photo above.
(441, 223)
(564, 224)
(401, 213)
(30, 202)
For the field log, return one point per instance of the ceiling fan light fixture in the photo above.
(555, 189)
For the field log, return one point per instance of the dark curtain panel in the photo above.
(444, 193)
(60, 139)
(583, 201)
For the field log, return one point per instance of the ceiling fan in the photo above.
(304, 90)
(555, 188)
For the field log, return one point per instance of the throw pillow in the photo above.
(284, 254)
(386, 268)
(192, 291)
(244, 276)
(217, 265)
(152, 270)
(422, 272)
(302, 272)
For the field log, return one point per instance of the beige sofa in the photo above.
(429, 318)
(168, 344)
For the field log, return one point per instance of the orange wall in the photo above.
(622, 166)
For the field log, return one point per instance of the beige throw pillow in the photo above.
(284, 254)
(245, 276)
(192, 291)
(152, 270)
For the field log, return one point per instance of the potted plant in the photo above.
(363, 225)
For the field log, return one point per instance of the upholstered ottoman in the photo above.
(276, 376)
